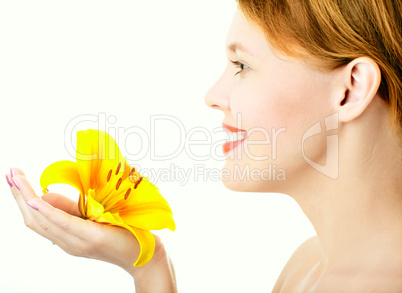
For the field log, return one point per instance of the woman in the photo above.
(321, 80)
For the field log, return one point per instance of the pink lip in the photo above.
(231, 128)
(230, 145)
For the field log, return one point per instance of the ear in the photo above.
(360, 81)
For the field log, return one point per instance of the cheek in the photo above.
(284, 106)
(281, 101)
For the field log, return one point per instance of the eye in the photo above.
(240, 65)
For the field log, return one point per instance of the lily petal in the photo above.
(97, 154)
(61, 172)
(145, 238)
(109, 193)
(150, 218)
(110, 218)
(87, 157)
(64, 172)
(147, 245)
(146, 208)
(94, 209)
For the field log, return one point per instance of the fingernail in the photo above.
(12, 172)
(32, 205)
(9, 180)
(15, 183)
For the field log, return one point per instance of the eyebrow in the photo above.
(233, 47)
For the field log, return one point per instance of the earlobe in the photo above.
(361, 80)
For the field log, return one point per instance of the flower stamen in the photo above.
(109, 175)
(134, 175)
(132, 171)
(118, 168)
(138, 182)
(118, 183)
(127, 193)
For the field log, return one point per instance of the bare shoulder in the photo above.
(305, 257)
(375, 278)
(359, 282)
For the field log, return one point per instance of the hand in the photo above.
(58, 219)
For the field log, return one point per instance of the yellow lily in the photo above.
(111, 191)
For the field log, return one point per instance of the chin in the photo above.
(237, 186)
(253, 185)
(252, 176)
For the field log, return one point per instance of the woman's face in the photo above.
(275, 99)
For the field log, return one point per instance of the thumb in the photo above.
(63, 203)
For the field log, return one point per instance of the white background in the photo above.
(131, 60)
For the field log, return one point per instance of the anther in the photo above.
(127, 193)
(138, 182)
(132, 171)
(118, 183)
(118, 168)
(109, 175)
(133, 175)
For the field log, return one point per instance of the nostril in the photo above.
(215, 106)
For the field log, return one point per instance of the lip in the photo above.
(231, 145)
(232, 128)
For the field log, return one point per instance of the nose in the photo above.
(218, 96)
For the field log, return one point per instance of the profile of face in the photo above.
(274, 99)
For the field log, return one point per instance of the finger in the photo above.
(57, 219)
(59, 233)
(23, 192)
(17, 193)
(8, 178)
(74, 235)
(22, 189)
(18, 171)
(64, 221)
(63, 203)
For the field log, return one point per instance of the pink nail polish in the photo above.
(16, 183)
(9, 180)
(32, 205)
(12, 172)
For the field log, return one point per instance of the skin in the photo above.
(357, 215)
(57, 218)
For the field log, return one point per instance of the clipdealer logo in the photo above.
(147, 143)
(331, 166)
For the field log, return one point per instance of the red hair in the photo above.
(332, 33)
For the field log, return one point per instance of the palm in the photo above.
(105, 242)
(58, 219)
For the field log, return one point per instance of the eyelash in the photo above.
(239, 65)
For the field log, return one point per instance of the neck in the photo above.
(358, 216)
